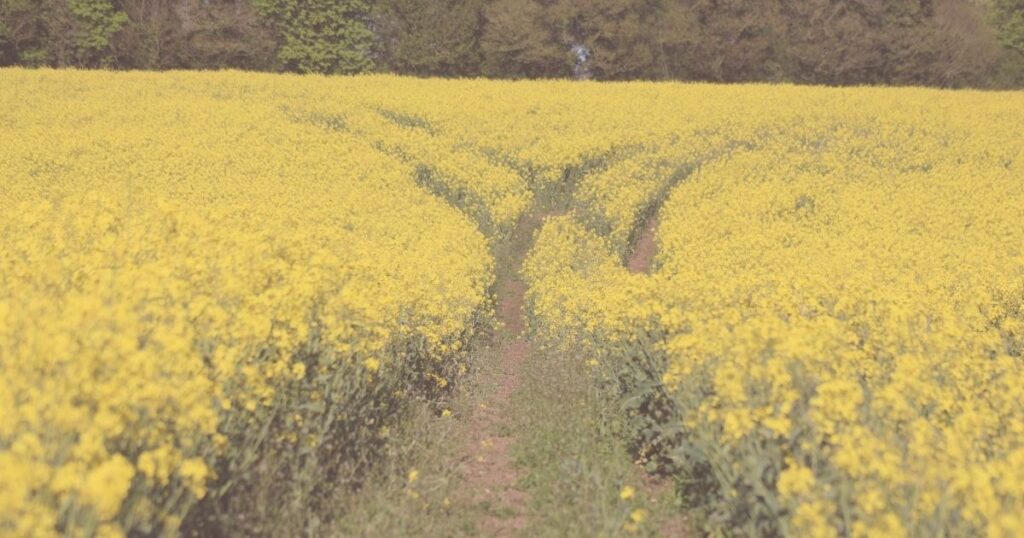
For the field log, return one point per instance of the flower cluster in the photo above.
(189, 276)
(832, 334)
(204, 272)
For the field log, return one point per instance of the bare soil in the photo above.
(489, 470)
(645, 247)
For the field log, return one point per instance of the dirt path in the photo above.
(490, 478)
(490, 473)
(489, 469)
(645, 248)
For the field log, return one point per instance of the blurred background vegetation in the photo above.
(946, 43)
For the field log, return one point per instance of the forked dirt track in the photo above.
(487, 463)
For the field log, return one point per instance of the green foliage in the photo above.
(20, 34)
(95, 22)
(949, 43)
(932, 42)
(59, 32)
(520, 40)
(326, 433)
(195, 34)
(573, 448)
(724, 40)
(321, 36)
(940, 42)
(153, 38)
(7, 55)
(1007, 21)
(430, 37)
(1009, 72)
(622, 36)
(1008, 18)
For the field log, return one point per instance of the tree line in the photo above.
(948, 43)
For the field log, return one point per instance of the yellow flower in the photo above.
(109, 530)
(837, 277)
(106, 486)
(812, 519)
(195, 472)
(795, 481)
(627, 493)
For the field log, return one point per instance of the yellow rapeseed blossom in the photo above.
(106, 485)
(183, 254)
(794, 481)
(627, 493)
(833, 323)
(839, 282)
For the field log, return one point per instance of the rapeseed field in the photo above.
(212, 283)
